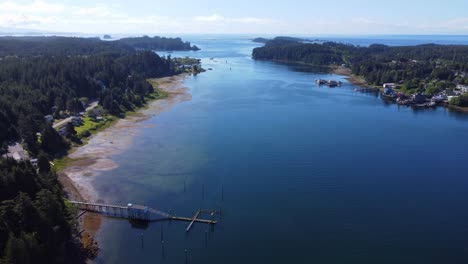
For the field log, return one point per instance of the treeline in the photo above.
(437, 66)
(59, 46)
(413, 66)
(73, 46)
(35, 224)
(158, 43)
(285, 50)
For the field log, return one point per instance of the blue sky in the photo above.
(304, 17)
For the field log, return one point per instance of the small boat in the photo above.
(390, 97)
(329, 83)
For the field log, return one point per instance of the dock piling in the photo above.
(162, 233)
(142, 243)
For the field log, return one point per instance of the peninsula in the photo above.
(158, 43)
(56, 92)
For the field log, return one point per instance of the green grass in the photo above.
(157, 94)
(60, 163)
(91, 127)
(88, 125)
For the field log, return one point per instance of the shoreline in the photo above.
(338, 70)
(353, 79)
(86, 162)
(359, 80)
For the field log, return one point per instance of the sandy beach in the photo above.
(356, 80)
(88, 161)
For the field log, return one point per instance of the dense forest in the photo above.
(71, 46)
(35, 224)
(57, 76)
(33, 87)
(158, 43)
(58, 46)
(426, 68)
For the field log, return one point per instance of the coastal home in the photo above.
(462, 88)
(34, 162)
(77, 121)
(17, 152)
(49, 119)
(389, 85)
(18, 156)
(63, 132)
(388, 91)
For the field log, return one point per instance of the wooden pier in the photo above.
(142, 213)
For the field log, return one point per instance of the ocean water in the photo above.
(301, 173)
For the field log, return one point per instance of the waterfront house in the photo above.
(462, 88)
(49, 119)
(63, 132)
(388, 91)
(77, 121)
(389, 85)
(34, 162)
(18, 155)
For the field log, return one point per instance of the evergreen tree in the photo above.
(52, 142)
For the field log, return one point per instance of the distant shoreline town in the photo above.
(421, 76)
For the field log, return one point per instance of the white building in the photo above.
(462, 88)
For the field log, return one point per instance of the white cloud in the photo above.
(222, 19)
(31, 8)
(96, 11)
(212, 18)
(110, 18)
(461, 22)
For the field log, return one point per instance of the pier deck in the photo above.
(141, 212)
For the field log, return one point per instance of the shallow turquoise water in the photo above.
(303, 174)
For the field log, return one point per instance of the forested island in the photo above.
(48, 78)
(70, 46)
(260, 40)
(158, 43)
(428, 69)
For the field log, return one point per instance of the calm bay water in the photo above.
(303, 174)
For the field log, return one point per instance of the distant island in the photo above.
(158, 43)
(107, 37)
(260, 40)
(71, 46)
(280, 40)
(430, 70)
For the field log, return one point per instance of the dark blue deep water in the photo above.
(303, 174)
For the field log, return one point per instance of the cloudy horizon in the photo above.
(211, 17)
